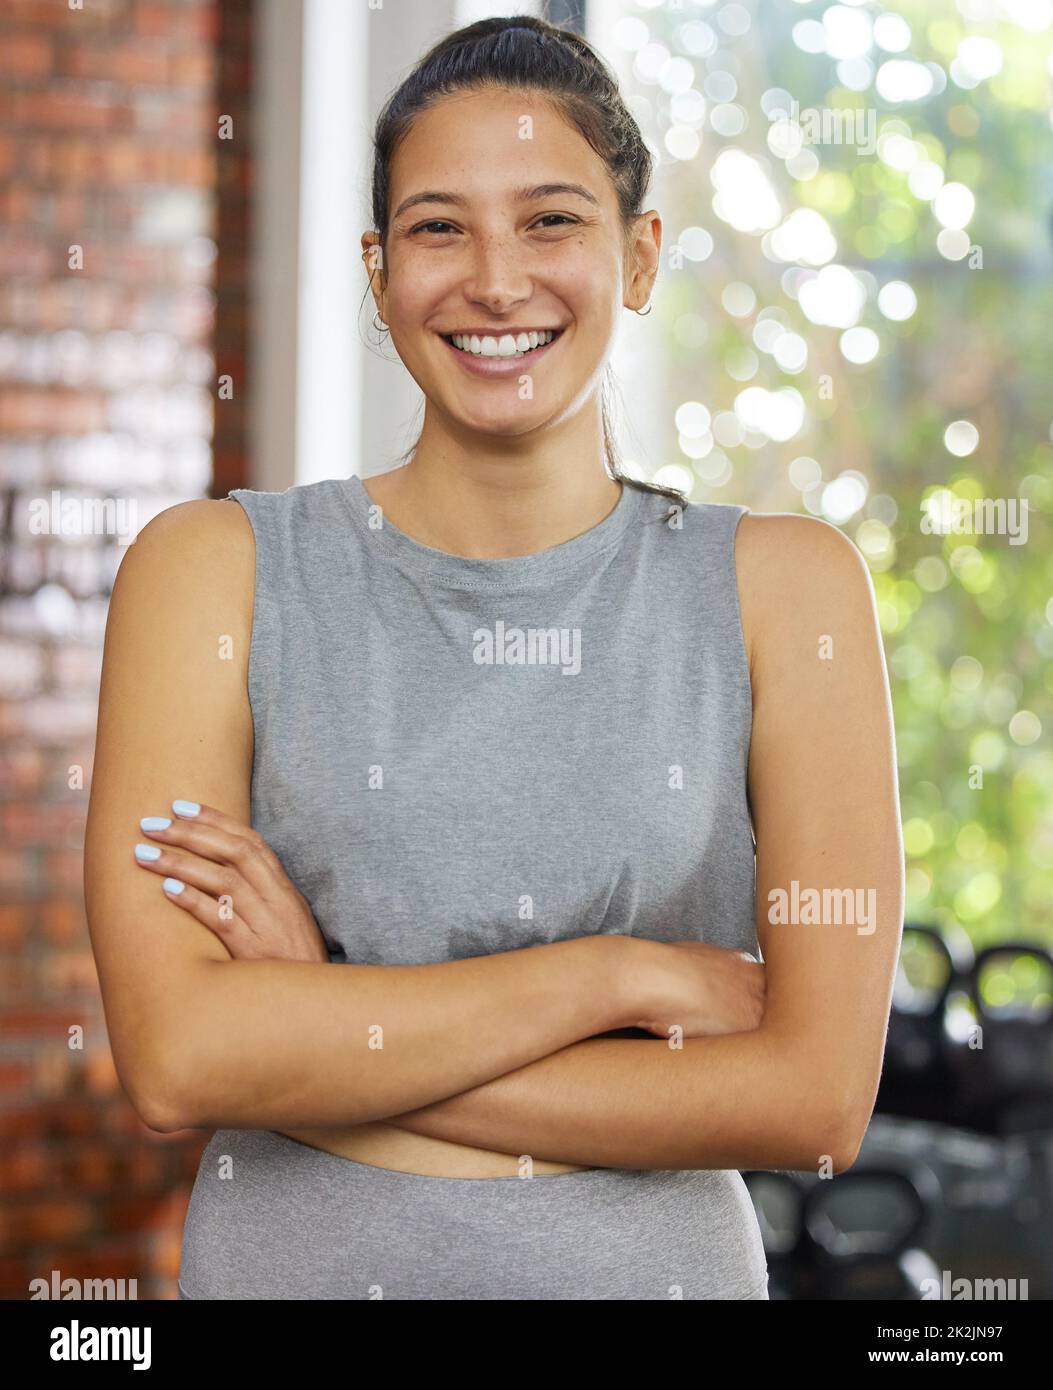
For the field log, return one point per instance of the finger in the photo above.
(247, 847)
(191, 813)
(213, 835)
(220, 919)
(217, 880)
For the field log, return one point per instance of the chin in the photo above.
(503, 426)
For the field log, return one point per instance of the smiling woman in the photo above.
(502, 241)
(468, 980)
(543, 201)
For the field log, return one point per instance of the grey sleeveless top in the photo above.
(455, 757)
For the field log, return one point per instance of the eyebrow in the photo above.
(519, 195)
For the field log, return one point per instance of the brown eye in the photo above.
(428, 226)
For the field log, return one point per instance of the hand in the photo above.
(703, 989)
(233, 883)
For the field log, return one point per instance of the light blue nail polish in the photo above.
(173, 885)
(154, 823)
(185, 808)
(147, 852)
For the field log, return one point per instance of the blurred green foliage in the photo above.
(967, 618)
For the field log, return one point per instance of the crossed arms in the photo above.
(501, 1051)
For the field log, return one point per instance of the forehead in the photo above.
(485, 141)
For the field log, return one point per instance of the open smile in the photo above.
(503, 355)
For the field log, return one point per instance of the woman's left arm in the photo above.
(829, 893)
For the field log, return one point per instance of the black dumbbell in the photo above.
(849, 1237)
(1004, 1064)
(918, 1075)
(860, 1233)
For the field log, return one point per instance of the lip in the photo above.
(500, 366)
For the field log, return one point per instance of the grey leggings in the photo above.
(295, 1222)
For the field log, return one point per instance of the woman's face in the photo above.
(487, 240)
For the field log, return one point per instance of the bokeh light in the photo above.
(857, 224)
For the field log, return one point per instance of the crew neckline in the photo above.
(465, 572)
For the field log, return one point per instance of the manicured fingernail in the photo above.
(154, 823)
(173, 885)
(185, 808)
(147, 852)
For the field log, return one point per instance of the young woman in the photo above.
(535, 753)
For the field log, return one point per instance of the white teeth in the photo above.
(505, 346)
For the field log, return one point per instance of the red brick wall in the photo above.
(109, 141)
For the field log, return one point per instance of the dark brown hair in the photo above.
(524, 51)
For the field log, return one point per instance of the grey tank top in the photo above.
(455, 757)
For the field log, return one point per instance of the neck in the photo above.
(494, 497)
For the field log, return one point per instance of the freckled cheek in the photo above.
(579, 287)
(411, 312)
(418, 289)
(583, 275)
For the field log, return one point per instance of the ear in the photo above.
(373, 260)
(644, 256)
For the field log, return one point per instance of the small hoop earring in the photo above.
(381, 327)
(643, 312)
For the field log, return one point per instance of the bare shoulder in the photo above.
(784, 545)
(797, 575)
(180, 620)
(215, 533)
(199, 554)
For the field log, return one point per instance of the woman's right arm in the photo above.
(202, 1040)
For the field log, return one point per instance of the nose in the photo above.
(495, 277)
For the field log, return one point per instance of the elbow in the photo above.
(845, 1154)
(159, 1114)
(159, 1095)
(824, 1108)
(833, 1138)
(828, 1150)
(156, 1106)
(853, 1117)
(849, 1129)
